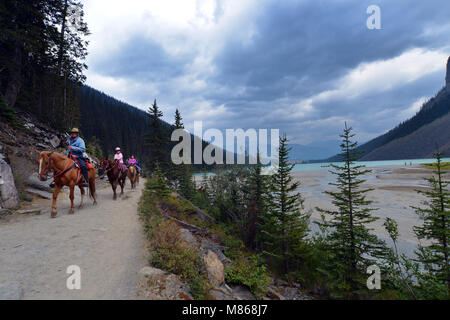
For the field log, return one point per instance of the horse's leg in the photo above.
(92, 188)
(121, 183)
(82, 196)
(72, 197)
(114, 187)
(55, 196)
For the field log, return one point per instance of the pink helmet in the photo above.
(117, 149)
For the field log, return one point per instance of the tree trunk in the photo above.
(14, 83)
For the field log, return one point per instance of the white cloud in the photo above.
(412, 109)
(383, 75)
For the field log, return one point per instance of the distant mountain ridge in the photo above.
(417, 137)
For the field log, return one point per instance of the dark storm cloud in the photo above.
(298, 49)
(318, 41)
(142, 59)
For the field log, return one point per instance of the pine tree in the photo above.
(178, 119)
(350, 245)
(257, 186)
(157, 184)
(436, 225)
(285, 226)
(41, 58)
(180, 175)
(157, 140)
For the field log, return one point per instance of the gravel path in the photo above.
(105, 241)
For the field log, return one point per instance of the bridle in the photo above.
(44, 174)
(108, 166)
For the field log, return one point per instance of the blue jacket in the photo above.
(78, 146)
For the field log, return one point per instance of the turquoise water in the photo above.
(322, 166)
(325, 165)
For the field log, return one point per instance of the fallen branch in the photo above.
(200, 213)
(190, 227)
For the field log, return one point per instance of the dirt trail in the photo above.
(105, 241)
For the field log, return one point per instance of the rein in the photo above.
(64, 171)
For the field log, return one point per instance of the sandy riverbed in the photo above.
(393, 195)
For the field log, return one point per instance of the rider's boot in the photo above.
(52, 185)
(85, 183)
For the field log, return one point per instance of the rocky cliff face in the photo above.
(9, 197)
(18, 157)
(447, 76)
(417, 137)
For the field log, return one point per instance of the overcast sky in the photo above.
(301, 66)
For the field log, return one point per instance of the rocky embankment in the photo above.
(18, 165)
(192, 232)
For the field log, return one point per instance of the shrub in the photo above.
(249, 271)
(170, 253)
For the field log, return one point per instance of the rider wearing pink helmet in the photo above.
(119, 156)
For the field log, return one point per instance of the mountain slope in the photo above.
(419, 144)
(111, 123)
(416, 137)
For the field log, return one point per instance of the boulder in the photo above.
(220, 293)
(34, 182)
(207, 245)
(187, 236)
(9, 197)
(156, 284)
(42, 194)
(272, 294)
(54, 141)
(242, 293)
(214, 268)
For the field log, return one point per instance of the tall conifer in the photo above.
(350, 245)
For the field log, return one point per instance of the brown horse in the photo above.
(132, 175)
(116, 175)
(65, 174)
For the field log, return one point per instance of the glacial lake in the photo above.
(326, 165)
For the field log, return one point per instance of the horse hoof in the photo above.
(95, 203)
(71, 211)
(53, 215)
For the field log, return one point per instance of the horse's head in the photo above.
(45, 164)
(106, 164)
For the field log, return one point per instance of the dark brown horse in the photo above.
(65, 174)
(116, 175)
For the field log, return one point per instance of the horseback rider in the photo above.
(77, 147)
(136, 163)
(119, 157)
